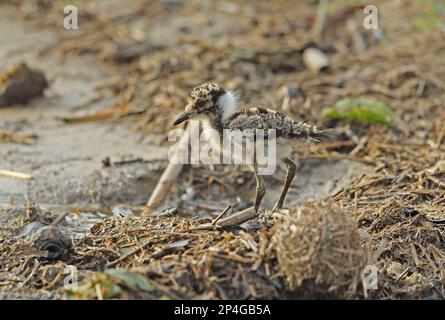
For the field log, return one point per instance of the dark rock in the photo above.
(410, 212)
(19, 84)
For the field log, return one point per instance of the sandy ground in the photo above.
(66, 160)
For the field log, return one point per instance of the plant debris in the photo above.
(11, 137)
(320, 245)
(362, 110)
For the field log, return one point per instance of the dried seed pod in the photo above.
(322, 245)
(52, 240)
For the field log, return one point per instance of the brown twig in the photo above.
(12, 137)
(34, 269)
(15, 174)
(239, 217)
(235, 219)
(357, 38)
(222, 214)
(320, 20)
(115, 262)
(167, 179)
(60, 218)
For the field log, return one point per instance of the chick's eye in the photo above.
(200, 104)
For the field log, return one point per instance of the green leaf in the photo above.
(131, 279)
(361, 110)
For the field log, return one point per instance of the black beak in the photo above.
(183, 117)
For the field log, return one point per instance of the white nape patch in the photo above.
(228, 103)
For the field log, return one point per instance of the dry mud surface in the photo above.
(66, 161)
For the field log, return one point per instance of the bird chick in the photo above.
(218, 109)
